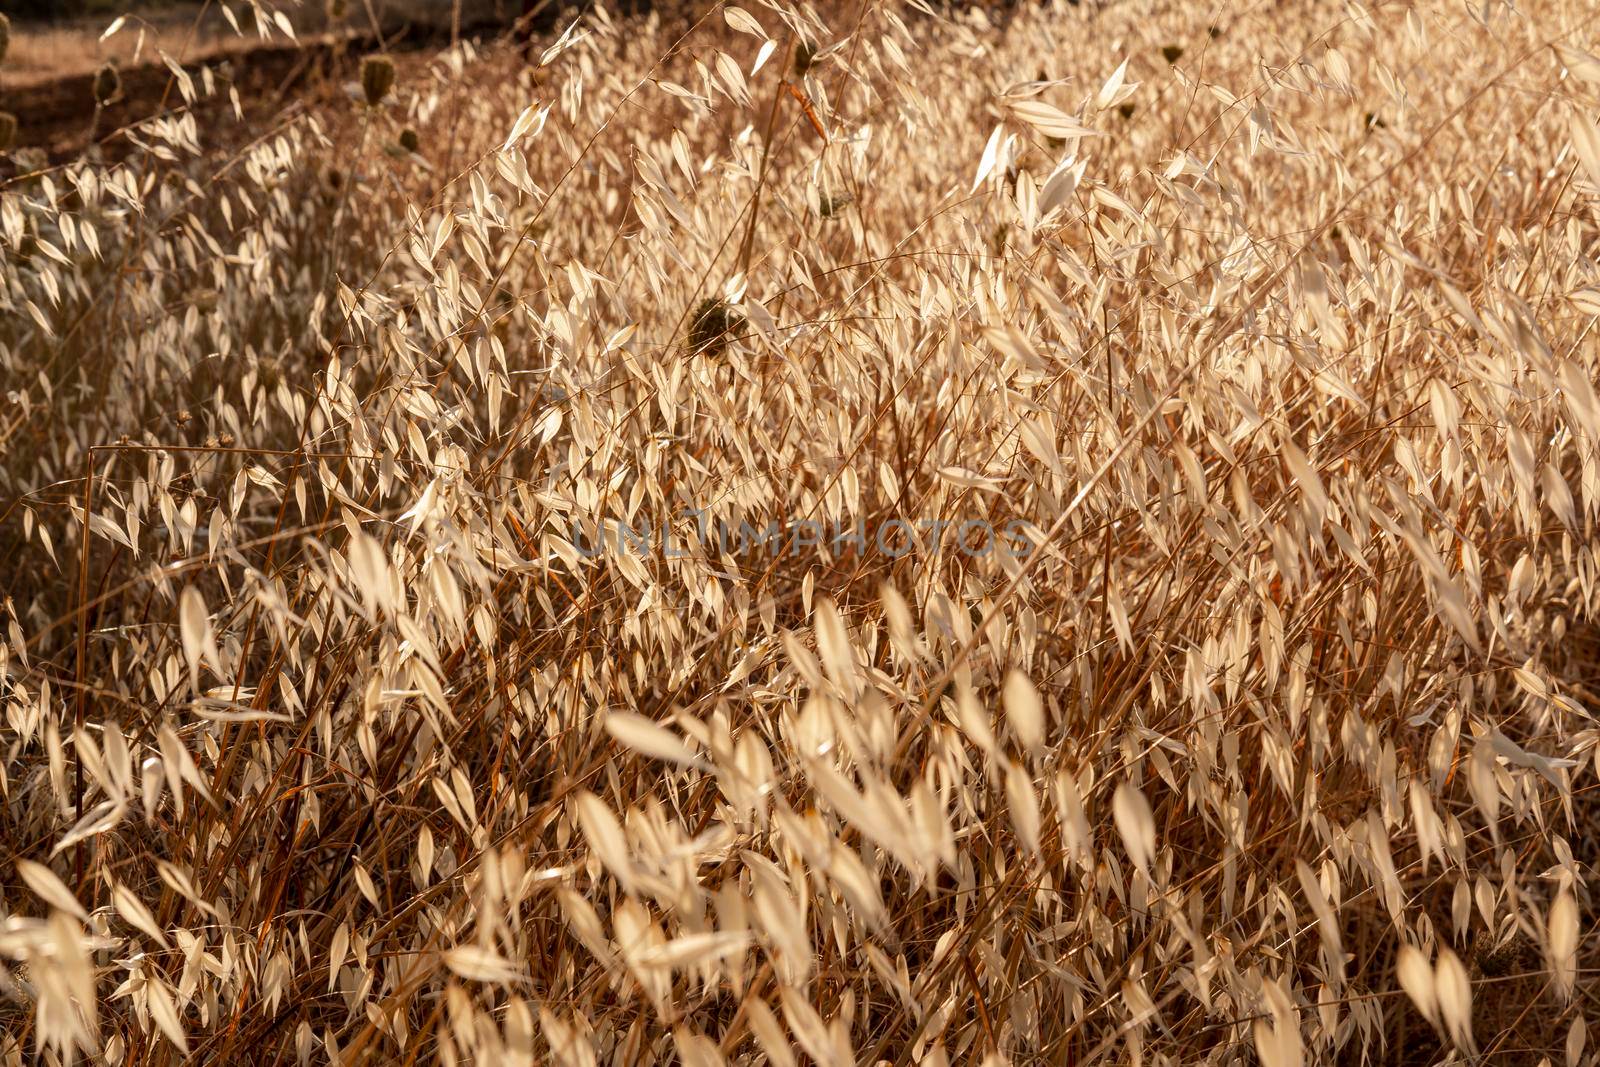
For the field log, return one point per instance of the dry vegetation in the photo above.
(1267, 338)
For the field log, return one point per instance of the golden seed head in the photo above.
(377, 78)
(107, 85)
(8, 130)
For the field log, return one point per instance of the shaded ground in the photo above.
(59, 116)
(48, 80)
(44, 50)
(53, 95)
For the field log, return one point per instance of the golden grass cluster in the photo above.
(346, 720)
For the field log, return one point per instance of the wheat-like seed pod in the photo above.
(8, 130)
(107, 85)
(377, 78)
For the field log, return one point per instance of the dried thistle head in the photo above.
(805, 53)
(409, 139)
(271, 372)
(5, 36)
(829, 205)
(713, 322)
(998, 239)
(1497, 958)
(332, 182)
(377, 78)
(8, 130)
(107, 85)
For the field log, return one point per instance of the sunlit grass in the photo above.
(1053, 534)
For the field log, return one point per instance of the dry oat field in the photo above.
(863, 534)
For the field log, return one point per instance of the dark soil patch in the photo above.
(59, 116)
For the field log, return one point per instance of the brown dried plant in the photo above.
(1128, 596)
